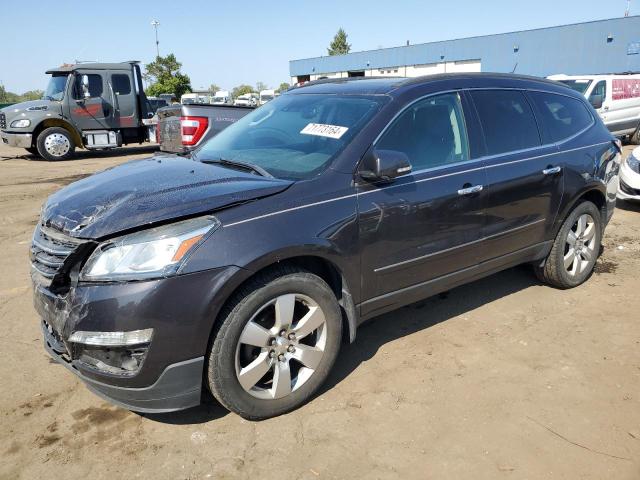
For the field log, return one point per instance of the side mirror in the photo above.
(596, 101)
(84, 81)
(384, 165)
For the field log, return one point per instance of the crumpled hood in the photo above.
(150, 191)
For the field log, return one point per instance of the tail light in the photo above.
(192, 129)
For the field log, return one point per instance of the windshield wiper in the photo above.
(243, 165)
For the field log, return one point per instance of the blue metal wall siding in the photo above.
(571, 49)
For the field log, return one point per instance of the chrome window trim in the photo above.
(386, 187)
(462, 245)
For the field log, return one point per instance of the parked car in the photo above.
(90, 105)
(616, 98)
(183, 128)
(630, 177)
(239, 269)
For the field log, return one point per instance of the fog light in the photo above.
(119, 360)
(112, 339)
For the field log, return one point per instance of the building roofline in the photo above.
(435, 42)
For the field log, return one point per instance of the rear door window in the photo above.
(507, 120)
(561, 116)
(121, 84)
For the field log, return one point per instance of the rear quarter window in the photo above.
(561, 116)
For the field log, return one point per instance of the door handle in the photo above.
(552, 170)
(470, 190)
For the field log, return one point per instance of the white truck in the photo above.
(266, 95)
(616, 98)
(246, 100)
(221, 96)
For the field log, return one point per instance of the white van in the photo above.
(616, 98)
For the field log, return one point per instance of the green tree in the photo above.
(284, 86)
(339, 45)
(261, 86)
(165, 77)
(31, 95)
(241, 90)
(213, 88)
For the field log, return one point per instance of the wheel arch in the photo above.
(315, 263)
(57, 122)
(595, 194)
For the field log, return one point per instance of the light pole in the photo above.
(155, 24)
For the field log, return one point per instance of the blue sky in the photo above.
(243, 42)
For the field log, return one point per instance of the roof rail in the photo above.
(344, 79)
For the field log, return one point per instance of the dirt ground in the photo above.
(502, 378)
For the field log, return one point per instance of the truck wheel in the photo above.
(276, 344)
(575, 249)
(55, 143)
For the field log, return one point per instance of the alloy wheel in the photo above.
(580, 245)
(281, 346)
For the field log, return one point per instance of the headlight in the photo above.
(23, 123)
(633, 163)
(152, 253)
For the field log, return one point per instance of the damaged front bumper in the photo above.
(178, 309)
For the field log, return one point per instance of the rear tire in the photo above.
(264, 360)
(55, 143)
(575, 249)
(635, 137)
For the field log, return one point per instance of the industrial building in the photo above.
(602, 46)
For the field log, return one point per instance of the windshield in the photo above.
(294, 136)
(266, 98)
(577, 85)
(55, 89)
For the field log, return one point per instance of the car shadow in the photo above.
(425, 314)
(386, 328)
(207, 411)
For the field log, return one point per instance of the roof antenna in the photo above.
(628, 10)
(514, 68)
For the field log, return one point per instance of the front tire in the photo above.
(276, 343)
(575, 249)
(55, 143)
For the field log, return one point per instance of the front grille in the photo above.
(49, 250)
(628, 190)
(3, 120)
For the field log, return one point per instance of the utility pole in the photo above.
(627, 12)
(155, 24)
